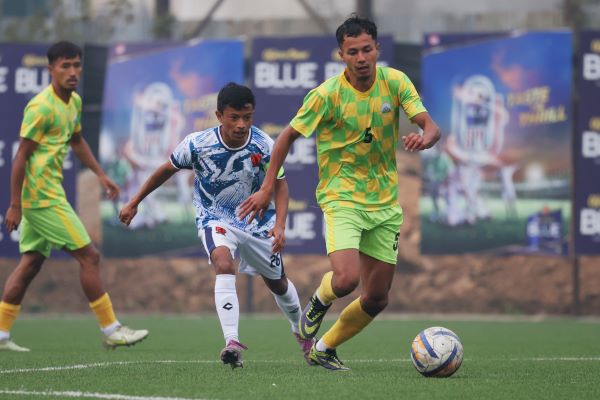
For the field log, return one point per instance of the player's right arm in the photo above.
(160, 176)
(314, 108)
(259, 201)
(17, 176)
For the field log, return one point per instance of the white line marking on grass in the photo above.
(117, 363)
(110, 396)
(102, 365)
(380, 360)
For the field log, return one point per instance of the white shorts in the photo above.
(256, 255)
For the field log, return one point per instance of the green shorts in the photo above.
(55, 226)
(374, 233)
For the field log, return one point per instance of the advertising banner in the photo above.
(152, 100)
(504, 106)
(23, 74)
(283, 72)
(587, 146)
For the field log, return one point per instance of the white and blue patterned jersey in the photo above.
(225, 177)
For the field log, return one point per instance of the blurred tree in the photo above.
(50, 20)
(576, 14)
(164, 21)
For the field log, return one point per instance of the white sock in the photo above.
(321, 345)
(289, 303)
(107, 330)
(4, 335)
(228, 307)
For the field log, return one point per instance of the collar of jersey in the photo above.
(58, 98)
(218, 132)
(358, 92)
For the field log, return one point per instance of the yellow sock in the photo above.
(325, 290)
(351, 321)
(8, 314)
(104, 311)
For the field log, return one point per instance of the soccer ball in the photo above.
(436, 352)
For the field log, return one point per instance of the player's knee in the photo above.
(224, 267)
(374, 304)
(277, 286)
(344, 283)
(31, 266)
(91, 259)
(94, 257)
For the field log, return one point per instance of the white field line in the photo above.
(117, 363)
(110, 396)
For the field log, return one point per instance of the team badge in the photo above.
(220, 230)
(386, 108)
(256, 159)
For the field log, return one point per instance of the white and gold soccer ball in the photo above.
(436, 352)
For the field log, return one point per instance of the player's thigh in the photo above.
(343, 228)
(218, 236)
(256, 256)
(381, 240)
(59, 225)
(31, 241)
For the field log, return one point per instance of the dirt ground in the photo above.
(443, 284)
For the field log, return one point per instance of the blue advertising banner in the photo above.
(504, 105)
(587, 146)
(23, 73)
(283, 72)
(545, 232)
(152, 100)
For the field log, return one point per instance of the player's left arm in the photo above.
(281, 209)
(85, 155)
(431, 133)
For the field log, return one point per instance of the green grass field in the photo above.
(549, 359)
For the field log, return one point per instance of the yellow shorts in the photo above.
(55, 226)
(374, 233)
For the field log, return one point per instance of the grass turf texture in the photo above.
(552, 359)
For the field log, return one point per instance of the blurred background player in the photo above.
(156, 124)
(355, 117)
(229, 162)
(437, 169)
(478, 121)
(51, 123)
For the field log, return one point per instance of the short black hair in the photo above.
(354, 26)
(234, 96)
(63, 49)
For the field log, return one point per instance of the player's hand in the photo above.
(413, 141)
(257, 203)
(127, 213)
(417, 142)
(13, 218)
(111, 188)
(278, 235)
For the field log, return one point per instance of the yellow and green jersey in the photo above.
(357, 135)
(49, 122)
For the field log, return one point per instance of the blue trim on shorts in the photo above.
(210, 243)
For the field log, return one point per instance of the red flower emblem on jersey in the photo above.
(220, 230)
(256, 159)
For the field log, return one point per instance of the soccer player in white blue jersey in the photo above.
(229, 162)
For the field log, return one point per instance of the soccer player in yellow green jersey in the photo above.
(355, 117)
(51, 123)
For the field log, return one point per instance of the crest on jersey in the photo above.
(386, 108)
(256, 157)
